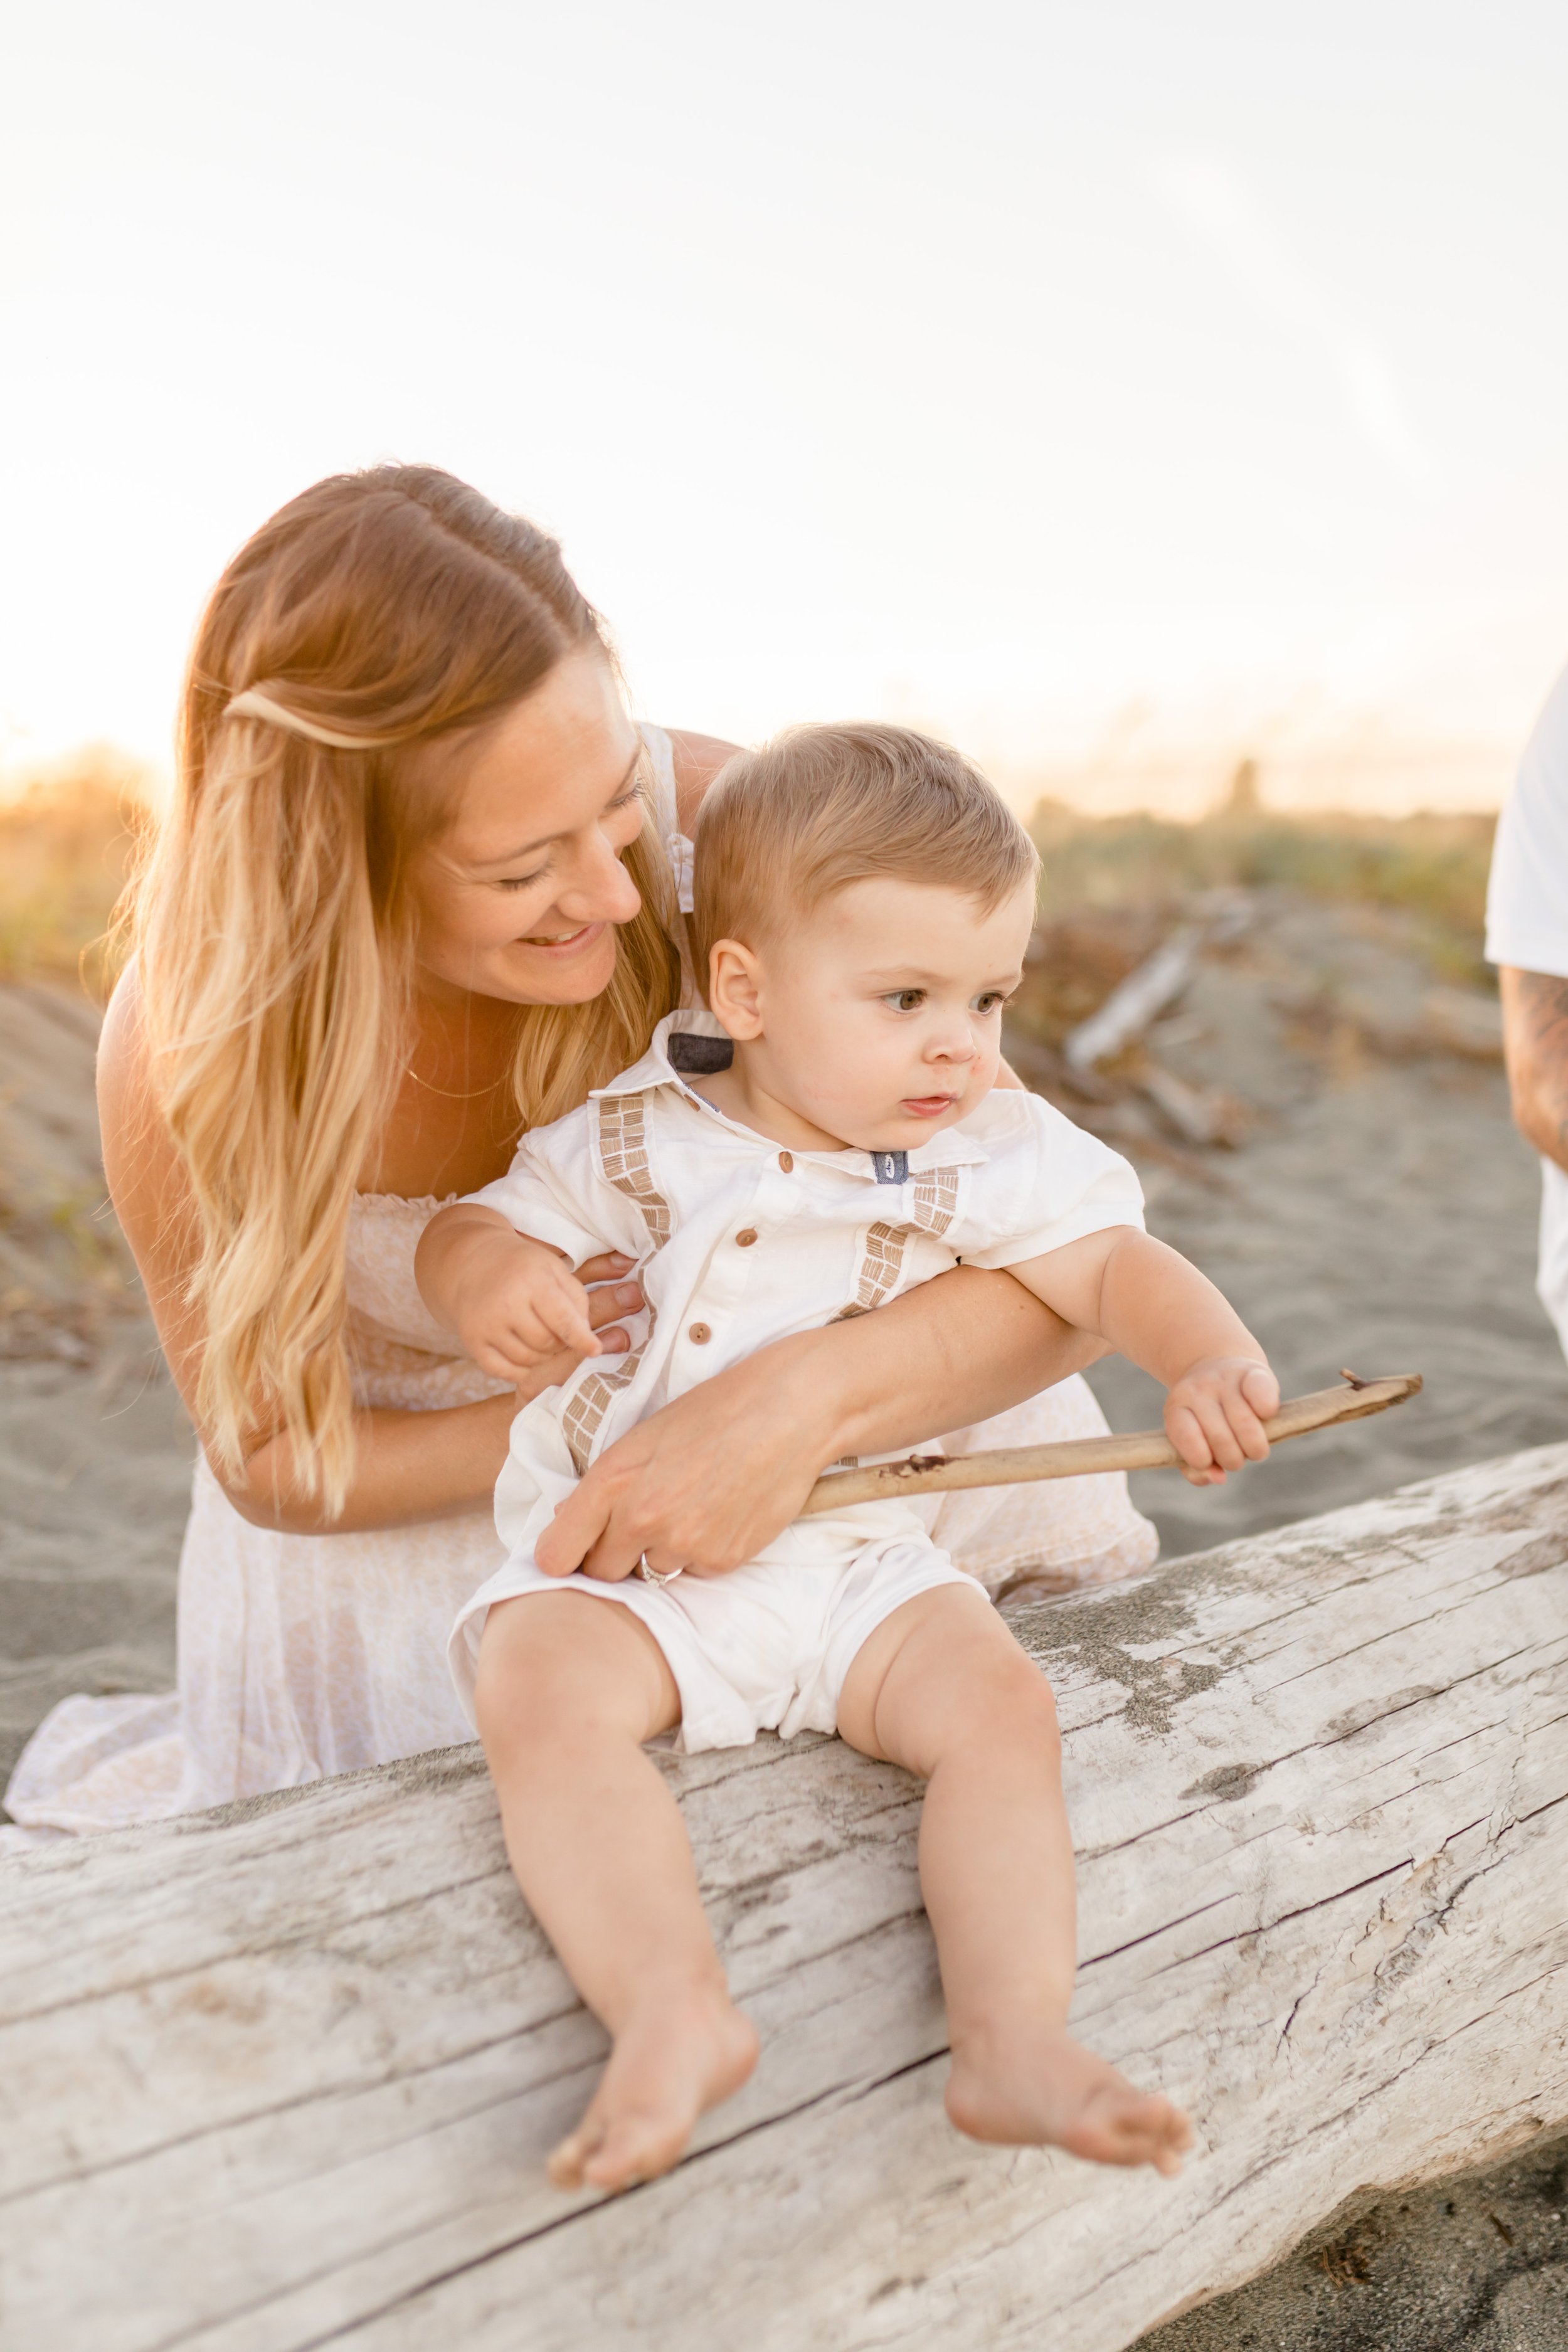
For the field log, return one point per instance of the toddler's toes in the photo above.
(1175, 2140)
(669, 2063)
(634, 2148)
(568, 2161)
(1133, 2128)
(1161, 2138)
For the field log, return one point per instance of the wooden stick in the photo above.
(1145, 1449)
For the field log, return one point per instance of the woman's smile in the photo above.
(563, 943)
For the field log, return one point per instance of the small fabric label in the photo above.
(697, 1056)
(891, 1167)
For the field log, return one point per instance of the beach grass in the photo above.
(1430, 869)
(68, 835)
(67, 841)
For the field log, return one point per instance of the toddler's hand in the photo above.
(515, 1304)
(1215, 1415)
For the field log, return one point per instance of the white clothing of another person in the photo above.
(740, 1244)
(300, 1656)
(1527, 926)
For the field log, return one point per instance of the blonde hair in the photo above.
(273, 924)
(784, 829)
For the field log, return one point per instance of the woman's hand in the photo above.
(706, 1483)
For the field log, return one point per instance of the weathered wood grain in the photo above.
(284, 2077)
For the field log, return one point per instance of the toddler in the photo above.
(830, 1134)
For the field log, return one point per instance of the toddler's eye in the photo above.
(992, 1002)
(906, 999)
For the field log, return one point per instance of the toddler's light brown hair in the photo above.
(782, 828)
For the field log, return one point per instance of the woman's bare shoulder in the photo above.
(139, 1155)
(697, 759)
(123, 1071)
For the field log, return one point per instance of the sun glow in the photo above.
(1121, 393)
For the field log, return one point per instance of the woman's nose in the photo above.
(597, 888)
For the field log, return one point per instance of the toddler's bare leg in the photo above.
(569, 1688)
(942, 1688)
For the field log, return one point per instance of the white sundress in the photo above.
(299, 1656)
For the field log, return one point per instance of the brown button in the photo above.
(786, 1161)
(744, 1241)
(700, 1333)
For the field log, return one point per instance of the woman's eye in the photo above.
(629, 799)
(906, 999)
(521, 881)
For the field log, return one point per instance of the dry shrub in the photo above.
(67, 842)
(1431, 868)
(1075, 960)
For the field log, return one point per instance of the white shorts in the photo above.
(766, 1648)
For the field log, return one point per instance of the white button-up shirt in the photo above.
(740, 1243)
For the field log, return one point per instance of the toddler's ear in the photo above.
(734, 994)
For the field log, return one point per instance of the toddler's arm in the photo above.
(1162, 1314)
(513, 1302)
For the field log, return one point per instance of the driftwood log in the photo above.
(285, 2076)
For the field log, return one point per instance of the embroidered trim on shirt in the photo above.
(936, 1199)
(580, 1422)
(623, 1157)
(880, 1260)
(935, 1202)
(621, 1130)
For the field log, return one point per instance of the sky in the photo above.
(1116, 389)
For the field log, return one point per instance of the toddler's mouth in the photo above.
(927, 1106)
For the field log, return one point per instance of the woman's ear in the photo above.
(734, 989)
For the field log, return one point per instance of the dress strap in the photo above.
(663, 808)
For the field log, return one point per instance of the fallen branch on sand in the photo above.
(1141, 997)
(1158, 980)
(1077, 1457)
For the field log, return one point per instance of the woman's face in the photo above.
(518, 896)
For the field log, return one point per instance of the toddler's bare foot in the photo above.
(1035, 2084)
(677, 2055)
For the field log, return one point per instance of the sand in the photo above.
(1380, 1213)
(95, 1451)
(1474, 2265)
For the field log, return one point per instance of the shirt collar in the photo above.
(952, 1148)
(656, 1070)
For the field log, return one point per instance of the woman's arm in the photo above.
(706, 1482)
(409, 1467)
(1535, 1037)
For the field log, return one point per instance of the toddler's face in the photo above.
(879, 1019)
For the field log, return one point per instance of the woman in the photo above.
(417, 890)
